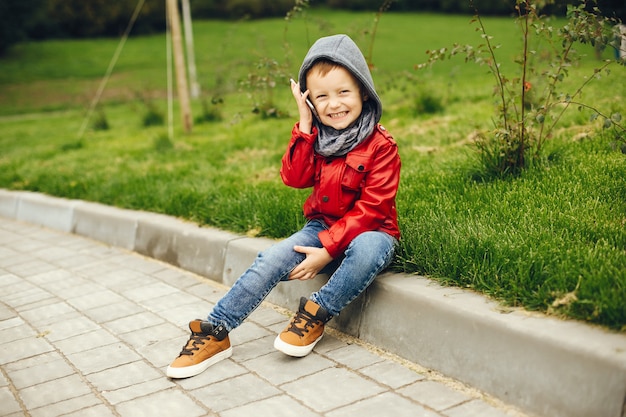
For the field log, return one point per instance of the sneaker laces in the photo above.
(302, 316)
(195, 341)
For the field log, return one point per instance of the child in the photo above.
(352, 163)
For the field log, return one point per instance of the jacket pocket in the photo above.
(356, 169)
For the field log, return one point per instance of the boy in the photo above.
(352, 163)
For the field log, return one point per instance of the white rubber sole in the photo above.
(295, 351)
(189, 371)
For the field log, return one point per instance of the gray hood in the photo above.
(342, 50)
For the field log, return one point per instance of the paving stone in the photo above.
(41, 370)
(279, 368)
(278, 406)
(434, 394)
(15, 350)
(54, 391)
(162, 404)
(353, 356)
(123, 376)
(8, 403)
(71, 405)
(391, 374)
(138, 390)
(478, 408)
(334, 388)
(235, 392)
(386, 404)
(86, 342)
(66, 328)
(133, 322)
(101, 358)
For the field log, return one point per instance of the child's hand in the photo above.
(306, 118)
(316, 259)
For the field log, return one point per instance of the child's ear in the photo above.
(365, 97)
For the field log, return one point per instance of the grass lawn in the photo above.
(552, 239)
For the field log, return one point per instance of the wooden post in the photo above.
(179, 63)
(191, 56)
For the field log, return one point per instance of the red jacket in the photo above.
(353, 193)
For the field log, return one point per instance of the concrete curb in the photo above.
(543, 365)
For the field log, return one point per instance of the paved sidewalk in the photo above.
(88, 329)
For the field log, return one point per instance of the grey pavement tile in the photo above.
(101, 358)
(219, 372)
(54, 275)
(434, 394)
(26, 296)
(135, 322)
(8, 403)
(391, 373)
(37, 304)
(248, 331)
(79, 259)
(40, 372)
(137, 390)
(124, 376)
(234, 392)
(6, 314)
(170, 301)
(150, 335)
(80, 288)
(353, 356)
(86, 342)
(33, 267)
(267, 316)
(54, 253)
(207, 290)
(478, 408)
(166, 403)
(163, 352)
(176, 277)
(100, 297)
(112, 311)
(54, 391)
(48, 313)
(386, 404)
(99, 410)
(15, 290)
(334, 388)
(254, 348)
(66, 328)
(16, 350)
(17, 259)
(279, 368)
(278, 406)
(16, 333)
(148, 266)
(11, 322)
(183, 314)
(71, 405)
(122, 279)
(146, 292)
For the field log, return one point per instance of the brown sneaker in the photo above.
(206, 346)
(304, 331)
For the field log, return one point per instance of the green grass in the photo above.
(527, 241)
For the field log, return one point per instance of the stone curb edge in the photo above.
(540, 364)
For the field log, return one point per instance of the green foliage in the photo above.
(527, 112)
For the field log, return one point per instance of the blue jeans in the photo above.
(366, 256)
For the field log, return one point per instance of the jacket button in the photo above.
(361, 168)
(325, 199)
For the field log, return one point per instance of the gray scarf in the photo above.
(332, 142)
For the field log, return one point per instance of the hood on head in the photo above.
(343, 51)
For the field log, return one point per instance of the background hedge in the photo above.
(42, 19)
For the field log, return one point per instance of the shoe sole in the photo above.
(189, 371)
(295, 351)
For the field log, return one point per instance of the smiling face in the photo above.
(336, 95)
